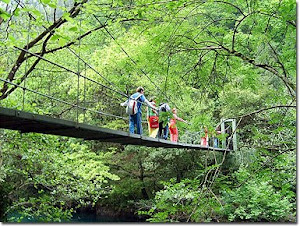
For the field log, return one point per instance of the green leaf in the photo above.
(12, 38)
(5, 1)
(36, 12)
(55, 37)
(52, 5)
(17, 12)
(66, 16)
(62, 41)
(4, 15)
(45, 1)
(73, 29)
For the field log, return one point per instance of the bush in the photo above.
(182, 202)
(256, 200)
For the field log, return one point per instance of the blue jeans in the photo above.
(216, 142)
(161, 129)
(136, 120)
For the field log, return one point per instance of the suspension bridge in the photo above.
(24, 120)
(28, 122)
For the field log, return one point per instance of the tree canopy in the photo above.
(210, 59)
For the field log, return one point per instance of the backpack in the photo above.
(132, 108)
(164, 107)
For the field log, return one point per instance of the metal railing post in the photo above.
(78, 77)
(223, 132)
(233, 135)
(84, 93)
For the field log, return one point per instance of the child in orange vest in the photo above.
(173, 128)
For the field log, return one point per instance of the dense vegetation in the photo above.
(211, 59)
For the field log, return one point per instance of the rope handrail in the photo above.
(63, 101)
(67, 69)
(71, 104)
(134, 62)
(98, 73)
(76, 73)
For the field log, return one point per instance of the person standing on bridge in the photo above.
(152, 118)
(204, 140)
(135, 118)
(164, 117)
(173, 128)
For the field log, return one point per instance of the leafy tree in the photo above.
(209, 59)
(257, 200)
(45, 176)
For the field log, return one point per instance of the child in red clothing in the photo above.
(173, 128)
(152, 118)
(204, 140)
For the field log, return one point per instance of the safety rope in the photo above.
(134, 62)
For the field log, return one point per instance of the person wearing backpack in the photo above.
(164, 117)
(134, 109)
(152, 118)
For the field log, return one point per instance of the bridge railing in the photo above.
(61, 92)
(83, 96)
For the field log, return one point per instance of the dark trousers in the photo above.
(164, 130)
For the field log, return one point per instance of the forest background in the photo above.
(211, 59)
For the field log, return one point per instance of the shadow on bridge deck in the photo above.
(27, 122)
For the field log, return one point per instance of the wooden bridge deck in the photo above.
(27, 122)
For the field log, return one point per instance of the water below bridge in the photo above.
(87, 216)
(90, 217)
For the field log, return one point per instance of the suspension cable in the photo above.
(98, 73)
(69, 70)
(134, 62)
(111, 83)
(62, 101)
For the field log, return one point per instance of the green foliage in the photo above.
(165, 117)
(117, 125)
(256, 200)
(170, 202)
(4, 15)
(211, 60)
(45, 175)
(5, 1)
(239, 102)
(124, 194)
(180, 202)
(2, 173)
(40, 209)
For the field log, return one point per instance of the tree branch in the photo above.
(228, 3)
(21, 58)
(236, 27)
(266, 67)
(265, 109)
